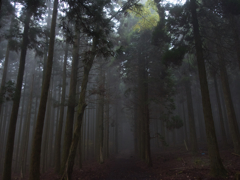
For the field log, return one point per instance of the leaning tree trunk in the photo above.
(217, 168)
(223, 131)
(80, 111)
(71, 103)
(13, 120)
(232, 120)
(192, 127)
(36, 145)
(60, 124)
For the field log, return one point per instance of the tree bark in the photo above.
(71, 104)
(192, 127)
(216, 165)
(185, 124)
(106, 137)
(4, 77)
(20, 128)
(100, 118)
(80, 110)
(25, 136)
(232, 120)
(36, 145)
(60, 124)
(13, 119)
(223, 132)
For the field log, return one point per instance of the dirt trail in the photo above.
(126, 166)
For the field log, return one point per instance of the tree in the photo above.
(228, 100)
(31, 8)
(216, 165)
(101, 46)
(34, 173)
(67, 174)
(192, 128)
(71, 101)
(60, 124)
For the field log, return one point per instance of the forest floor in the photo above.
(171, 164)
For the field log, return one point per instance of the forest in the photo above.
(119, 89)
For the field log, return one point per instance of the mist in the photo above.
(119, 89)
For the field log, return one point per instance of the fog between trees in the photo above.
(86, 80)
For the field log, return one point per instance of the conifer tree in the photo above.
(34, 173)
(30, 10)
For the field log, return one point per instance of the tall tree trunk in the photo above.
(185, 124)
(60, 124)
(36, 145)
(232, 120)
(147, 148)
(3, 134)
(223, 132)
(45, 135)
(225, 115)
(192, 127)
(4, 77)
(216, 165)
(71, 103)
(80, 111)
(25, 136)
(100, 117)
(18, 159)
(13, 120)
(142, 113)
(116, 130)
(136, 127)
(106, 136)
(46, 47)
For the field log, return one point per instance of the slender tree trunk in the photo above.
(46, 47)
(192, 127)
(136, 128)
(71, 104)
(106, 138)
(185, 124)
(45, 135)
(223, 132)
(216, 165)
(116, 130)
(81, 107)
(3, 134)
(52, 126)
(36, 145)
(60, 124)
(225, 115)
(100, 117)
(4, 77)
(147, 122)
(20, 129)
(25, 136)
(88, 133)
(13, 120)
(142, 113)
(232, 120)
